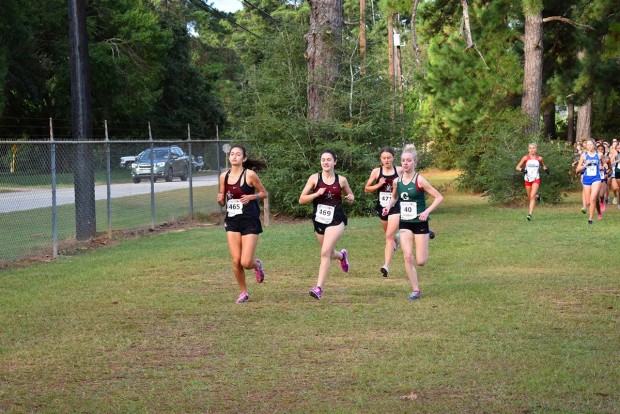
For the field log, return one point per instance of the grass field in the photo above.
(516, 317)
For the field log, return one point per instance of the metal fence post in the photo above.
(191, 169)
(54, 209)
(109, 179)
(152, 179)
(217, 150)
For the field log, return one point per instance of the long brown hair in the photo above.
(249, 163)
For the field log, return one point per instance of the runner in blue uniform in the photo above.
(325, 190)
(381, 180)
(590, 162)
(240, 190)
(410, 192)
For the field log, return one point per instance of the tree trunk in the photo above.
(549, 119)
(584, 120)
(532, 76)
(390, 30)
(570, 119)
(322, 57)
(363, 35)
(414, 36)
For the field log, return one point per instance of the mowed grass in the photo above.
(516, 317)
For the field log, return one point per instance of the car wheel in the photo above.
(169, 175)
(136, 180)
(184, 175)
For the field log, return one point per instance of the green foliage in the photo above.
(127, 50)
(270, 113)
(491, 154)
(458, 90)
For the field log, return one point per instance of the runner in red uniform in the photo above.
(530, 166)
(381, 180)
(240, 190)
(325, 190)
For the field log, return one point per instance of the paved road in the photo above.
(28, 199)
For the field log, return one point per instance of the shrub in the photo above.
(491, 154)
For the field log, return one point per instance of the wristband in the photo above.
(256, 196)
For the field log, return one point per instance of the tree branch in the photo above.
(565, 20)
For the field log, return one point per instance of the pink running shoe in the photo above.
(602, 207)
(344, 263)
(316, 292)
(260, 273)
(599, 217)
(243, 297)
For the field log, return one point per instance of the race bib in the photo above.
(384, 198)
(531, 174)
(324, 214)
(591, 171)
(408, 210)
(234, 207)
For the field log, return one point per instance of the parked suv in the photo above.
(168, 162)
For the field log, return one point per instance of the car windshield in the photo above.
(158, 154)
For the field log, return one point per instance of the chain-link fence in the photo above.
(54, 191)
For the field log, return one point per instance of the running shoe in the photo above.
(583, 210)
(615, 200)
(243, 297)
(590, 222)
(414, 295)
(260, 273)
(431, 234)
(602, 207)
(385, 270)
(529, 217)
(599, 217)
(344, 263)
(316, 292)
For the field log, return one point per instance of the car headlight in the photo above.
(160, 164)
(133, 165)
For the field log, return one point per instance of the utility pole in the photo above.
(83, 173)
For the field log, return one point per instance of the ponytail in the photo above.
(249, 163)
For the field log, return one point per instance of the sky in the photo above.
(226, 5)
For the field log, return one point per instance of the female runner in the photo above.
(325, 190)
(240, 190)
(531, 176)
(605, 171)
(590, 162)
(381, 180)
(410, 191)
